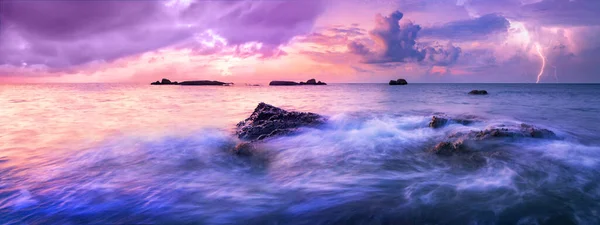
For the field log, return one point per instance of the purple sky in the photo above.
(333, 40)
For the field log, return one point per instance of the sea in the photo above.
(141, 154)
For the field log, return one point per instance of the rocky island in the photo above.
(292, 83)
(190, 83)
(478, 92)
(398, 82)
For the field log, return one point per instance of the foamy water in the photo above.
(73, 154)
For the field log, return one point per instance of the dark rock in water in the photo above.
(437, 122)
(283, 83)
(166, 81)
(268, 121)
(448, 148)
(203, 82)
(244, 149)
(292, 83)
(467, 142)
(478, 92)
(398, 82)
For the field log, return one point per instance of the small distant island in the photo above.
(190, 83)
(292, 83)
(398, 82)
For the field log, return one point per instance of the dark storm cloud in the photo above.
(546, 12)
(466, 30)
(270, 22)
(562, 12)
(398, 43)
(397, 40)
(60, 34)
(442, 55)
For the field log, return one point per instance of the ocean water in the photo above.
(132, 154)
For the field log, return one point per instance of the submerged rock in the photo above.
(438, 122)
(398, 82)
(268, 121)
(471, 141)
(244, 149)
(478, 92)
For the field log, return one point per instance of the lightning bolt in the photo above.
(538, 48)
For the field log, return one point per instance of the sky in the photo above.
(337, 41)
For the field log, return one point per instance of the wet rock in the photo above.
(474, 140)
(244, 149)
(269, 121)
(449, 148)
(398, 82)
(438, 121)
(478, 92)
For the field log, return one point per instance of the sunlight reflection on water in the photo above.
(105, 153)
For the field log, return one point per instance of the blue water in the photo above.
(122, 154)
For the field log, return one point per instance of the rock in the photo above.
(448, 148)
(166, 81)
(283, 83)
(268, 121)
(202, 82)
(478, 92)
(244, 149)
(292, 83)
(470, 141)
(437, 122)
(398, 82)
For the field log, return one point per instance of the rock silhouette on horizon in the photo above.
(166, 81)
(478, 92)
(398, 82)
(292, 83)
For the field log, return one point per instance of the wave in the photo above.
(355, 169)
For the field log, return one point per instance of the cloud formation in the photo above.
(60, 34)
(396, 42)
